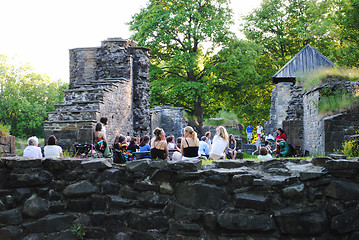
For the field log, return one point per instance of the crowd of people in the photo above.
(187, 147)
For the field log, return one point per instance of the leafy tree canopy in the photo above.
(26, 97)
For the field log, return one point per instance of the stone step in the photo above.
(79, 105)
(74, 115)
(101, 83)
(85, 96)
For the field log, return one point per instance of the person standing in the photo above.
(249, 131)
(259, 130)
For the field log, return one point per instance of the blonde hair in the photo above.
(222, 132)
(192, 133)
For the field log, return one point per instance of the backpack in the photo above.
(292, 150)
(118, 156)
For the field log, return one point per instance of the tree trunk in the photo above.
(198, 112)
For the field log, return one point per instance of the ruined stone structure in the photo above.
(108, 81)
(7, 146)
(169, 118)
(297, 113)
(274, 199)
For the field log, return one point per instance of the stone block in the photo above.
(244, 222)
(21, 194)
(246, 200)
(139, 165)
(50, 224)
(200, 195)
(66, 234)
(119, 203)
(29, 178)
(229, 163)
(96, 164)
(145, 221)
(23, 163)
(320, 161)
(182, 228)
(186, 214)
(62, 164)
(342, 190)
(153, 199)
(57, 206)
(99, 202)
(145, 186)
(186, 166)
(187, 176)
(110, 187)
(242, 180)
(35, 207)
(301, 222)
(11, 217)
(293, 192)
(79, 205)
(311, 175)
(10, 233)
(341, 164)
(163, 175)
(83, 188)
(346, 222)
(166, 188)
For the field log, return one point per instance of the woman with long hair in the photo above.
(219, 144)
(189, 144)
(159, 149)
(144, 146)
(232, 145)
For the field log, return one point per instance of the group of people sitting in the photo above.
(51, 150)
(282, 148)
(185, 148)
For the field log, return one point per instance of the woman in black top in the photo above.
(133, 145)
(232, 147)
(159, 149)
(189, 144)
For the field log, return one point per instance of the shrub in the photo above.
(350, 148)
(4, 130)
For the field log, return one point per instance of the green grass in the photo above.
(317, 77)
(336, 102)
(4, 130)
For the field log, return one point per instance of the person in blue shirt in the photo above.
(144, 144)
(203, 147)
(249, 131)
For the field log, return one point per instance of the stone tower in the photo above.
(108, 81)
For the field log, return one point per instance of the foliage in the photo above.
(78, 231)
(283, 28)
(4, 130)
(177, 31)
(335, 102)
(351, 148)
(320, 76)
(26, 97)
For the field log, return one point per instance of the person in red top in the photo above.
(281, 134)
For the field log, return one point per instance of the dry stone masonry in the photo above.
(148, 199)
(108, 81)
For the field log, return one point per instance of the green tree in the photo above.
(285, 27)
(347, 18)
(177, 31)
(26, 97)
(243, 77)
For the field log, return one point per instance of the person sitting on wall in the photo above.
(32, 150)
(171, 143)
(159, 149)
(104, 121)
(177, 156)
(100, 141)
(209, 141)
(203, 147)
(220, 143)
(189, 144)
(263, 154)
(52, 150)
(232, 147)
(284, 149)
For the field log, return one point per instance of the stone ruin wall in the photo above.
(170, 119)
(108, 81)
(7, 146)
(279, 106)
(148, 199)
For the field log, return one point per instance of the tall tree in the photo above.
(26, 97)
(177, 31)
(285, 27)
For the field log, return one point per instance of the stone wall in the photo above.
(170, 119)
(7, 146)
(108, 81)
(281, 96)
(275, 199)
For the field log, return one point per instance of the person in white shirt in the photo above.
(263, 154)
(52, 150)
(104, 121)
(203, 147)
(32, 150)
(259, 130)
(219, 144)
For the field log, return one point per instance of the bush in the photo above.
(351, 148)
(4, 130)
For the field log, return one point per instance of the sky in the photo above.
(41, 32)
